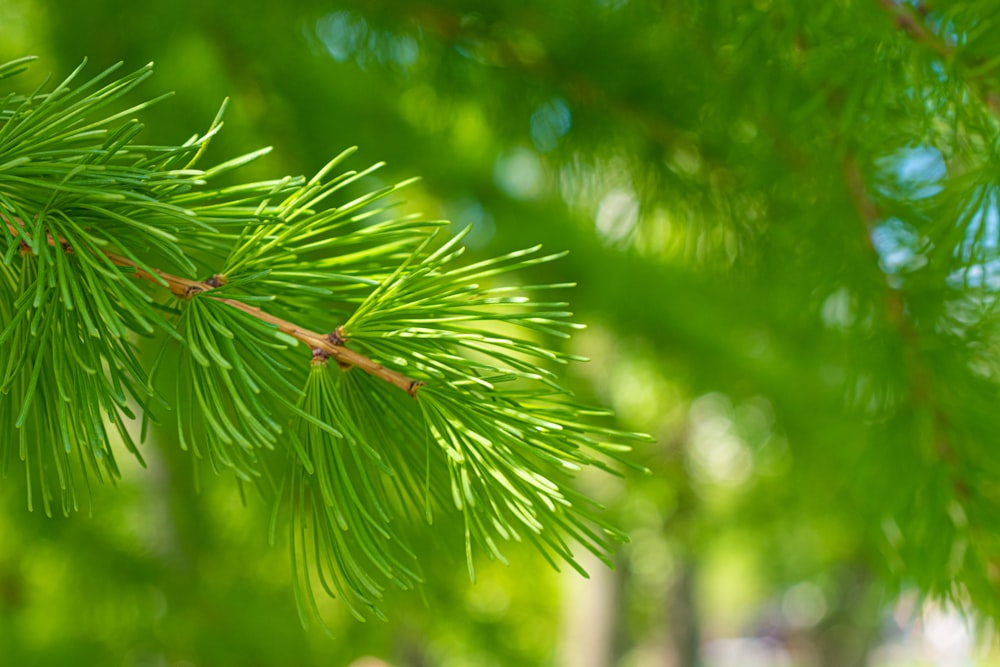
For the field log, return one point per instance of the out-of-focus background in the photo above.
(745, 189)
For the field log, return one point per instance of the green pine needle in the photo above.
(104, 241)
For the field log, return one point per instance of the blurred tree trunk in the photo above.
(852, 628)
(591, 616)
(682, 648)
(410, 649)
(673, 637)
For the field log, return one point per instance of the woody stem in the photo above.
(184, 288)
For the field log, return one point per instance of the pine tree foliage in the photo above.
(818, 201)
(796, 209)
(433, 391)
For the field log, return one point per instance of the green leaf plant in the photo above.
(422, 386)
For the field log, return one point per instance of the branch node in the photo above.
(906, 22)
(217, 280)
(319, 356)
(323, 346)
(337, 337)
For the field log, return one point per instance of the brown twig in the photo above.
(344, 356)
(921, 383)
(331, 345)
(911, 21)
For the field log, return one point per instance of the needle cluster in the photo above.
(342, 358)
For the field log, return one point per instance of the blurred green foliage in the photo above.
(782, 217)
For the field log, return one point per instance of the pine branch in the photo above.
(183, 288)
(895, 305)
(91, 216)
(911, 20)
(943, 446)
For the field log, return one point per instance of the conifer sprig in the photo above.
(106, 241)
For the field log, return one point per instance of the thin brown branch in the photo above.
(868, 214)
(184, 288)
(343, 355)
(921, 382)
(909, 20)
(863, 204)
